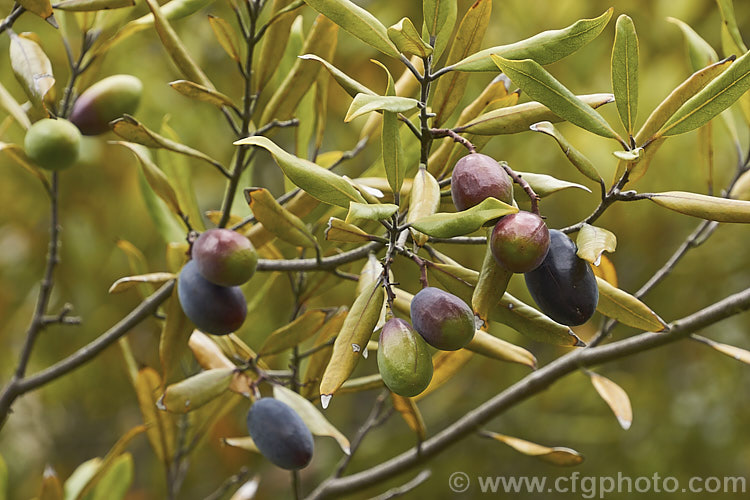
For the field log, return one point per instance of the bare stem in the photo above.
(7, 23)
(446, 132)
(518, 179)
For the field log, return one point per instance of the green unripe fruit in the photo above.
(224, 257)
(520, 241)
(104, 101)
(404, 359)
(442, 319)
(53, 144)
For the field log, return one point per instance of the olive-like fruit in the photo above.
(104, 101)
(476, 177)
(214, 309)
(404, 359)
(444, 320)
(53, 144)
(224, 257)
(280, 434)
(520, 241)
(564, 286)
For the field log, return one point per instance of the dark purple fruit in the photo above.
(404, 359)
(280, 434)
(445, 321)
(520, 242)
(564, 286)
(214, 309)
(224, 257)
(476, 177)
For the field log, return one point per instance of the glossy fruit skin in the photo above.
(224, 257)
(520, 241)
(104, 101)
(213, 309)
(52, 144)
(404, 360)
(442, 319)
(476, 177)
(280, 434)
(564, 286)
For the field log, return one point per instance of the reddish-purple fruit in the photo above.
(214, 309)
(442, 319)
(476, 177)
(404, 359)
(520, 241)
(104, 101)
(225, 257)
(280, 434)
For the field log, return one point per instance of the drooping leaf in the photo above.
(321, 41)
(576, 158)
(737, 353)
(560, 456)
(274, 42)
(424, 201)
(324, 347)
(545, 185)
(9, 104)
(351, 340)
(18, 154)
(129, 282)
(592, 241)
(277, 219)
(520, 117)
(606, 271)
(492, 283)
(700, 52)
(201, 93)
(32, 68)
(93, 5)
(447, 225)
(625, 308)
(51, 488)
(703, 206)
(349, 84)
(543, 87)
(717, 96)
(290, 335)
(625, 72)
(733, 44)
(366, 103)
(439, 19)
(407, 40)
(356, 21)
(450, 88)
(314, 420)
(338, 230)
(544, 48)
(411, 415)
(226, 36)
(116, 482)
(530, 322)
(615, 396)
(196, 391)
(445, 364)
(173, 339)
(41, 8)
(319, 182)
(210, 356)
(488, 345)
(80, 476)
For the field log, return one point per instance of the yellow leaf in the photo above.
(616, 397)
(488, 345)
(555, 456)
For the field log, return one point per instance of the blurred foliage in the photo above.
(690, 412)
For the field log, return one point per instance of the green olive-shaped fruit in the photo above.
(520, 241)
(404, 360)
(53, 144)
(104, 101)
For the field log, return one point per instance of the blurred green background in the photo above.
(690, 403)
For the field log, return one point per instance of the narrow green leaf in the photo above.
(116, 482)
(349, 84)
(592, 241)
(173, 341)
(560, 456)
(544, 48)
(578, 159)
(447, 225)
(274, 41)
(732, 39)
(520, 117)
(226, 36)
(314, 420)
(168, 225)
(18, 154)
(439, 19)
(93, 5)
(9, 104)
(704, 207)
(488, 345)
(359, 212)
(625, 308)
(456, 279)
(717, 96)
(365, 103)
(352, 339)
(195, 391)
(338, 230)
(545, 185)
(290, 335)
(392, 151)
(424, 200)
(492, 283)
(625, 72)
(450, 88)
(317, 181)
(130, 281)
(32, 68)
(201, 93)
(700, 52)
(320, 358)
(543, 87)
(407, 40)
(159, 428)
(358, 22)
(278, 220)
(530, 322)
(80, 476)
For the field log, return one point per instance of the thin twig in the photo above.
(518, 179)
(7, 23)
(370, 423)
(446, 132)
(405, 488)
(324, 264)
